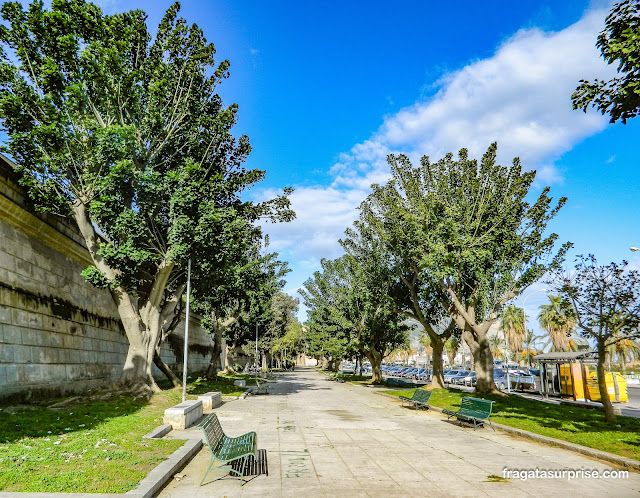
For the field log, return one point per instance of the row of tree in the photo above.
(450, 243)
(446, 243)
(123, 132)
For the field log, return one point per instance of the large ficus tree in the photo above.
(125, 134)
(234, 296)
(465, 234)
(488, 243)
(394, 219)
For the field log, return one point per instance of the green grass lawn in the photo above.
(90, 445)
(574, 424)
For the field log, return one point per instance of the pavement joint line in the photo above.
(577, 448)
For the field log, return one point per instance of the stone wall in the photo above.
(57, 332)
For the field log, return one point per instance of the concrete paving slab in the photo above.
(331, 439)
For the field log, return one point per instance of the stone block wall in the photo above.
(57, 332)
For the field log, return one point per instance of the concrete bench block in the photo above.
(210, 400)
(183, 415)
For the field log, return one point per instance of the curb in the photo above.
(158, 477)
(576, 448)
(147, 488)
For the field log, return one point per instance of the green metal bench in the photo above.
(419, 399)
(473, 410)
(225, 449)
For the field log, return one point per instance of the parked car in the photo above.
(347, 368)
(411, 373)
(450, 374)
(458, 378)
(500, 378)
(521, 380)
(470, 379)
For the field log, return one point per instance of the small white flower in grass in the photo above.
(48, 432)
(81, 425)
(57, 442)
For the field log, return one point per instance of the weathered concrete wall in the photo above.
(57, 332)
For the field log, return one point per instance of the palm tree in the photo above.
(498, 347)
(558, 319)
(512, 325)
(624, 350)
(530, 350)
(452, 345)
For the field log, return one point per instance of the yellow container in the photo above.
(572, 378)
(616, 387)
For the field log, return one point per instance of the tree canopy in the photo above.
(348, 300)
(124, 132)
(618, 42)
(464, 235)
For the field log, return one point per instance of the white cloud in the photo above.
(519, 97)
(322, 215)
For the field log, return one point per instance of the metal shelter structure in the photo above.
(551, 372)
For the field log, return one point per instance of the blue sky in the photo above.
(327, 89)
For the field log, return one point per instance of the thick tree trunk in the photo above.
(483, 361)
(268, 360)
(142, 325)
(609, 415)
(229, 357)
(164, 368)
(376, 361)
(214, 362)
(437, 378)
(484, 368)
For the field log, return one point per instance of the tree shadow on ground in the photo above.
(27, 421)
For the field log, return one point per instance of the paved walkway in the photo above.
(329, 439)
